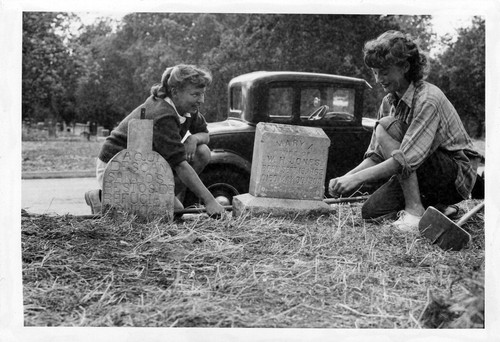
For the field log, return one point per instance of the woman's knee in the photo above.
(386, 200)
(202, 154)
(391, 127)
(368, 210)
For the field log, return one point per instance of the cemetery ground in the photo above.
(335, 271)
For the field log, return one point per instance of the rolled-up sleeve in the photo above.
(199, 124)
(419, 141)
(167, 140)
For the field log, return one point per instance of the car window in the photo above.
(280, 102)
(340, 102)
(310, 99)
(343, 101)
(236, 102)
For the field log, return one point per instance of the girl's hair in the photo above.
(178, 77)
(395, 48)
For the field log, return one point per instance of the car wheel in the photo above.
(224, 183)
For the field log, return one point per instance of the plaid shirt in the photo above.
(433, 123)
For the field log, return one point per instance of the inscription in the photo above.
(140, 183)
(300, 143)
(289, 162)
(293, 162)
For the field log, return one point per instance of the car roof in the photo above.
(272, 76)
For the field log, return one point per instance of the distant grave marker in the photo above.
(288, 171)
(138, 180)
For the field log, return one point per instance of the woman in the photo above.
(419, 141)
(174, 108)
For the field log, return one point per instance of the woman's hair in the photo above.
(395, 48)
(179, 77)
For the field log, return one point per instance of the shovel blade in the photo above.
(442, 231)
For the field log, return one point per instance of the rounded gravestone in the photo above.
(138, 180)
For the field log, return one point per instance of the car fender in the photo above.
(224, 157)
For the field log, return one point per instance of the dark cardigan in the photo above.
(167, 131)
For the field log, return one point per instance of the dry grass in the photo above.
(330, 272)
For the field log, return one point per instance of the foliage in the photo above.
(49, 70)
(459, 72)
(417, 26)
(115, 64)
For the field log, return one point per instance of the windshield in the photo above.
(339, 102)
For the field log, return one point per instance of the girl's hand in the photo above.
(214, 209)
(190, 145)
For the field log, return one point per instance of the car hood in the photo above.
(229, 126)
(368, 123)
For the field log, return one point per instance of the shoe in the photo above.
(93, 198)
(407, 222)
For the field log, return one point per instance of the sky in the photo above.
(448, 24)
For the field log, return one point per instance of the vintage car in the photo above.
(333, 103)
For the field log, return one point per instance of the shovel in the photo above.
(442, 231)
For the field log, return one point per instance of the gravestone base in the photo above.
(258, 206)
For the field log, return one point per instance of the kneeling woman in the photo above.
(174, 108)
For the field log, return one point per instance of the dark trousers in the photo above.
(436, 180)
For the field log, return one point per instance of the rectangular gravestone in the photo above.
(288, 171)
(138, 180)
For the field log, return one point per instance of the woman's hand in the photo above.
(341, 185)
(190, 145)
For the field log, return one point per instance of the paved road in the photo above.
(57, 195)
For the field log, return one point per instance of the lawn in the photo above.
(60, 155)
(334, 271)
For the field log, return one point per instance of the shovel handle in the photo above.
(469, 214)
(200, 210)
(345, 199)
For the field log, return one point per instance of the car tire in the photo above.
(223, 182)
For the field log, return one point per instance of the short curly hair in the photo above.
(396, 48)
(178, 77)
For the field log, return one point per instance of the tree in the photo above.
(459, 72)
(49, 70)
(95, 87)
(299, 42)
(418, 27)
(118, 66)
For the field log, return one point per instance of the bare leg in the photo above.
(411, 191)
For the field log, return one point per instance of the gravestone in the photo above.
(138, 180)
(288, 172)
